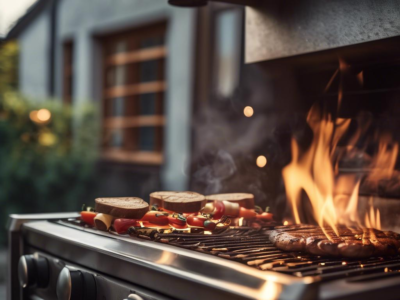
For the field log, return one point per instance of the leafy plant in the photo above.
(47, 155)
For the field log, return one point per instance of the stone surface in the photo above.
(285, 28)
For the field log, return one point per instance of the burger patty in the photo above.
(351, 242)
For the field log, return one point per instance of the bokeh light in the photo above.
(261, 161)
(248, 111)
(47, 139)
(40, 116)
(43, 115)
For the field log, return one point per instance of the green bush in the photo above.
(46, 165)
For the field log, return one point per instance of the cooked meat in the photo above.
(351, 242)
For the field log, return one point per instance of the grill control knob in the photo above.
(33, 271)
(73, 284)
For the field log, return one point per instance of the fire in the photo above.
(383, 163)
(373, 218)
(315, 172)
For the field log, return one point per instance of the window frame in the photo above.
(132, 120)
(68, 71)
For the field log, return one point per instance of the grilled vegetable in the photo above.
(219, 210)
(122, 225)
(200, 221)
(177, 220)
(88, 217)
(156, 217)
(265, 216)
(231, 209)
(247, 213)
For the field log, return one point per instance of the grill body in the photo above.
(172, 268)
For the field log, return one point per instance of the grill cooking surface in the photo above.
(252, 247)
(351, 242)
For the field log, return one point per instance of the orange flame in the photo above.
(382, 165)
(334, 200)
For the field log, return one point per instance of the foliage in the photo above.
(8, 66)
(46, 166)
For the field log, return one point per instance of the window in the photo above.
(227, 50)
(68, 72)
(133, 95)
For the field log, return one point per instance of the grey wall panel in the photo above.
(284, 28)
(34, 58)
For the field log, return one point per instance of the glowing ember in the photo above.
(240, 222)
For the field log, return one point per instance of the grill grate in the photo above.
(252, 247)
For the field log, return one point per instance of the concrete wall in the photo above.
(34, 58)
(81, 21)
(278, 29)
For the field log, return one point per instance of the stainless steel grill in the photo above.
(237, 263)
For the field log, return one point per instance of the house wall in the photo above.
(34, 57)
(83, 21)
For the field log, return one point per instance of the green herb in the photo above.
(182, 218)
(87, 208)
(258, 209)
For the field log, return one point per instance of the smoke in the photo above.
(212, 175)
(227, 144)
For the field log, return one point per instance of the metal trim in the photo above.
(15, 246)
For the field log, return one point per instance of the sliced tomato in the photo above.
(88, 217)
(122, 225)
(265, 216)
(247, 213)
(156, 217)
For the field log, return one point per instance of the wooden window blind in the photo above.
(134, 85)
(68, 72)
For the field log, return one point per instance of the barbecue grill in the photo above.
(56, 256)
(236, 263)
